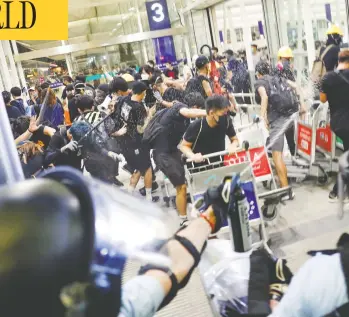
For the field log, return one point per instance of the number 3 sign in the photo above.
(158, 16)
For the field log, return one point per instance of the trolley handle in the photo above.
(245, 146)
(256, 120)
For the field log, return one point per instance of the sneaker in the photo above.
(183, 222)
(289, 196)
(333, 198)
(117, 183)
(155, 199)
(154, 187)
(280, 277)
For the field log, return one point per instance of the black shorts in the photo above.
(172, 166)
(138, 159)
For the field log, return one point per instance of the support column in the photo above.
(68, 62)
(5, 72)
(282, 21)
(19, 64)
(8, 53)
(186, 40)
(215, 27)
(247, 37)
(140, 29)
(309, 35)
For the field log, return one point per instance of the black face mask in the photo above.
(286, 64)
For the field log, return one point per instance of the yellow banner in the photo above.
(34, 20)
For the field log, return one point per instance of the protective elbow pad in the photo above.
(193, 252)
(174, 283)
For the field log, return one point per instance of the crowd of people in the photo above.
(149, 120)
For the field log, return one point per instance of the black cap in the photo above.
(104, 87)
(263, 68)
(118, 84)
(201, 61)
(139, 87)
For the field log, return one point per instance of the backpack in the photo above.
(319, 69)
(154, 128)
(282, 97)
(195, 85)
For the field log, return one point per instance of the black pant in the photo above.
(344, 135)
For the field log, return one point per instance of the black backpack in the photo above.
(154, 128)
(195, 85)
(282, 97)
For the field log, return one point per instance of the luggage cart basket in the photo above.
(201, 176)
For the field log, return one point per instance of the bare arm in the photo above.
(264, 103)
(186, 148)
(192, 113)
(151, 112)
(49, 131)
(23, 137)
(207, 88)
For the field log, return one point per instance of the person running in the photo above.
(168, 158)
(130, 113)
(277, 115)
(207, 135)
(334, 89)
(201, 82)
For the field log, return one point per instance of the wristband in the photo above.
(212, 225)
(31, 133)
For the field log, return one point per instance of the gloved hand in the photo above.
(114, 156)
(71, 146)
(214, 197)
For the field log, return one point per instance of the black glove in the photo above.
(213, 197)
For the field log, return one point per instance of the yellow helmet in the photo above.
(285, 52)
(334, 29)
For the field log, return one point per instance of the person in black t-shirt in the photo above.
(132, 114)
(17, 101)
(175, 121)
(207, 135)
(165, 95)
(334, 89)
(12, 111)
(170, 71)
(334, 40)
(67, 80)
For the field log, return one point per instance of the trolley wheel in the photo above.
(167, 201)
(323, 180)
(269, 212)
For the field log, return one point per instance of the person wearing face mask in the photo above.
(284, 67)
(256, 57)
(207, 135)
(330, 53)
(131, 113)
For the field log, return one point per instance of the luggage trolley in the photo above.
(312, 139)
(201, 176)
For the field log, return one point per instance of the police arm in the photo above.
(192, 113)
(264, 104)
(185, 251)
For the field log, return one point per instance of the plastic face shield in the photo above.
(124, 226)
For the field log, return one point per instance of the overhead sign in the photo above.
(34, 20)
(159, 19)
(328, 12)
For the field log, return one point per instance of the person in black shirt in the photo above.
(12, 111)
(334, 40)
(175, 121)
(334, 89)
(67, 80)
(165, 95)
(134, 116)
(207, 135)
(201, 82)
(18, 100)
(170, 71)
(31, 157)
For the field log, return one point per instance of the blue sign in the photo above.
(260, 27)
(159, 19)
(251, 198)
(328, 12)
(221, 37)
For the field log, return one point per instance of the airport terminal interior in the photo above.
(150, 106)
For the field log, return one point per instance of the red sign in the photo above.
(324, 139)
(304, 139)
(260, 162)
(233, 159)
(259, 159)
